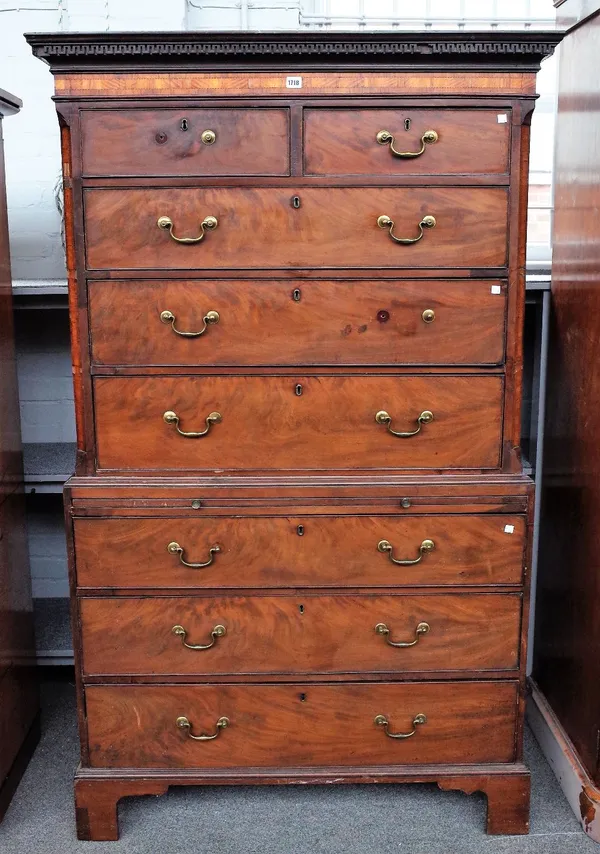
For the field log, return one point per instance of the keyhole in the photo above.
(302, 697)
(301, 608)
(296, 202)
(184, 124)
(299, 390)
(296, 294)
(300, 530)
(407, 124)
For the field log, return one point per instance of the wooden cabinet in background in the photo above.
(19, 723)
(565, 712)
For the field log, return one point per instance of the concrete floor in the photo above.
(418, 819)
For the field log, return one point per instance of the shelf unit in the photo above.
(48, 465)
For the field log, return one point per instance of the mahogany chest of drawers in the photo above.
(299, 526)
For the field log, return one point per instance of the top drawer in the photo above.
(428, 142)
(185, 142)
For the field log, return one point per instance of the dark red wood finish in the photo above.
(567, 638)
(296, 423)
(344, 142)
(170, 142)
(293, 322)
(299, 550)
(19, 704)
(320, 326)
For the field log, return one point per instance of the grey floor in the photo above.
(414, 819)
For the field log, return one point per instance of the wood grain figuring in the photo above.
(332, 323)
(266, 425)
(343, 141)
(135, 726)
(198, 84)
(567, 624)
(320, 327)
(268, 552)
(259, 228)
(152, 142)
(300, 634)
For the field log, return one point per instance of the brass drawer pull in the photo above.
(170, 417)
(384, 221)
(381, 720)
(184, 724)
(217, 632)
(384, 137)
(208, 137)
(176, 549)
(209, 223)
(383, 417)
(209, 318)
(385, 546)
(383, 630)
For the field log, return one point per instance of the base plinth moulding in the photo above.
(98, 791)
(579, 789)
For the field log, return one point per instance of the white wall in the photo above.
(243, 14)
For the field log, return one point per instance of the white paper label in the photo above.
(293, 83)
(502, 118)
(509, 529)
(496, 289)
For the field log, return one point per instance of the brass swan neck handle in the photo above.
(176, 549)
(383, 417)
(383, 721)
(209, 223)
(384, 137)
(170, 417)
(385, 632)
(426, 546)
(384, 221)
(184, 724)
(209, 318)
(217, 632)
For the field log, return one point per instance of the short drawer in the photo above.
(299, 551)
(427, 141)
(298, 423)
(301, 725)
(185, 142)
(300, 634)
(259, 228)
(265, 322)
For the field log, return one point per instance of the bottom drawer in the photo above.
(301, 725)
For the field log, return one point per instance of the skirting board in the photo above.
(579, 789)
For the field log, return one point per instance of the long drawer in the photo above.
(298, 423)
(300, 634)
(299, 551)
(266, 322)
(303, 725)
(363, 141)
(260, 228)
